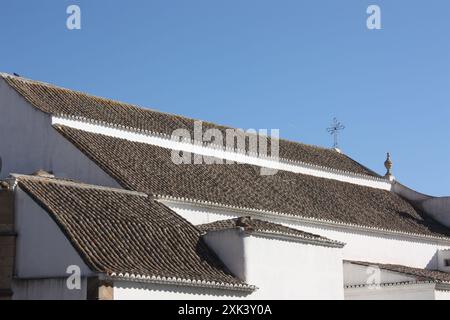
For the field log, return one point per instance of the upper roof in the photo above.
(420, 274)
(127, 234)
(250, 225)
(59, 101)
(148, 168)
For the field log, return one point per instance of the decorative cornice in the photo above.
(294, 218)
(177, 282)
(443, 286)
(391, 284)
(59, 119)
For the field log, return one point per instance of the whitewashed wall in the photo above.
(292, 270)
(442, 295)
(28, 143)
(362, 275)
(230, 247)
(436, 207)
(422, 291)
(281, 269)
(47, 289)
(128, 290)
(42, 250)
(361, 245)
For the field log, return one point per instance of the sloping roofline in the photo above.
(52, 195)
(60, 101)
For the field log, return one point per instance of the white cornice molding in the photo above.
(389, 285)
(289, 218)
(177, 281)
(238, 155)
(443, 286)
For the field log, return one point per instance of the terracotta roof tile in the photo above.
(57, 101)
(119, 232)
(148, 168)
(250, 225)
(421, 274)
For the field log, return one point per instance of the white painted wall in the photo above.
(42, 250)
(442, 295)
(28, 143)
(128, 290)
(436, 207)
(47, 289)
(362, 275)
(422, 291)
(281, 269)
(293, 270)
(362, 245)
(229, 245)
(443, 255)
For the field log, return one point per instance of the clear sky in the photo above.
(291, 65)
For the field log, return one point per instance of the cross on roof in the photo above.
(336, 126)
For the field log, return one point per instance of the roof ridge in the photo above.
(265, 228)
(77, 184)
(39, 82)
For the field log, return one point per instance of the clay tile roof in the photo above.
(118, 232)
(250, 225)
(149, 168)
(59, 101)
(421, 274)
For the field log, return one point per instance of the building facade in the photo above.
(90, 189)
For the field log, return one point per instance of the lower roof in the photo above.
(420, 274)
(127, 234)
(250, 225)
(148, 168)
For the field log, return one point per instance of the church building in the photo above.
(93, 206)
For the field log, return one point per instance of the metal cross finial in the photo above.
(334, 130)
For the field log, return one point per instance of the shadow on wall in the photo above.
(433, 263)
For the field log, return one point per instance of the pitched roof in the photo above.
(59, 101)
(421, 274)
(149, 168)
(256, 225)
(127, 234)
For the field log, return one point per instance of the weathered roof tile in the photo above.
(149, 168)
(118, 232)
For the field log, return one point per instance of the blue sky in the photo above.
(291, 65)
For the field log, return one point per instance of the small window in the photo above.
(447, 262)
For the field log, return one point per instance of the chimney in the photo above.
(7, 240)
